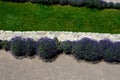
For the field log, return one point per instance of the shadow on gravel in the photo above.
(55, 57)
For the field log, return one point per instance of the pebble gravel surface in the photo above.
(62, 36)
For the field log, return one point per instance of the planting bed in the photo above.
(49, 49)
(49, 45)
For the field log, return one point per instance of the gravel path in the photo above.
(64, 68)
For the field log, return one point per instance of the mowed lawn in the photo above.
(28, 16)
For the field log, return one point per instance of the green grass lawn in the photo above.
(28, 16)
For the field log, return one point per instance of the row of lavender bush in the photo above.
(48, 49)
(88, 3)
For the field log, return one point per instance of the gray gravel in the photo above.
(62, 36)
(64, 68)
(114, 1)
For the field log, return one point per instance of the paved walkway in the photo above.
(64, 68)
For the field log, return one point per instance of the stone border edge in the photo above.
(61, 35)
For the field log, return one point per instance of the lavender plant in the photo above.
(86, 49)
(17, 46)
(116, 54)
(106, 49)
(4, 44)
(47, 49)
(66, 47)
(100, 4)
(30, 45)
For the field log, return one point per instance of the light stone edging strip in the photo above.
(114, 1)
(61, 35)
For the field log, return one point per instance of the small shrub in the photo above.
(116, 54)
(47, 49)
(57, 45)
(110, 5)
(4, 44)
(51, 2)
(106, 49)
(76, 2)
(18, 47)
(116, 6)
(95, 4)
(63, 2)
(44, 1)
(55, 1)
(86, 49)
(90, 3)
(30, 45)
(100, 4)
(66, 47)
(76, 50)
(1, 44)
